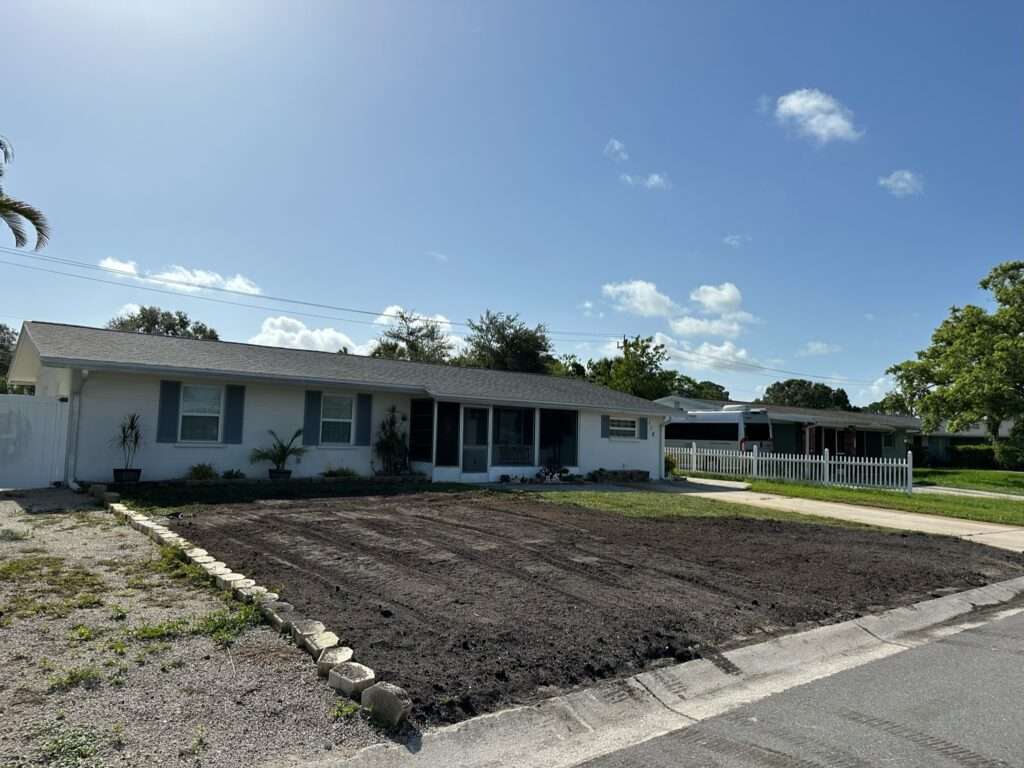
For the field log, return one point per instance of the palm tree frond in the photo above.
(14, 223)
(10, 207)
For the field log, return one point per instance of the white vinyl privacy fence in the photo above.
(849, 471)
(33, 441)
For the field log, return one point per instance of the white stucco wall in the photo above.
(106, 398)
(598, 452)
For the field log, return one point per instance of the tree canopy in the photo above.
(702, 390)
(505, 343)
(801, 393)
(412, 337)
(973, 370)
(160, 322)
(638, 370)
(893, 404)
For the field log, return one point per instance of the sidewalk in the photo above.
(993, 534)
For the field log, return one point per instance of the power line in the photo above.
(723, 363)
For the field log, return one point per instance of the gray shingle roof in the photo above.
(80, 346)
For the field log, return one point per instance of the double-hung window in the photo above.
(336, 420)
(201, 408)
(622, 428)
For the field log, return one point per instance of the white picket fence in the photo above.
(848, 471)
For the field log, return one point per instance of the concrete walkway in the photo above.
(993, 534)
(948, 491)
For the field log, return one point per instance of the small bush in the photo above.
(339, 472)
(1009, 455)
(670, 464)
(202, 472)
(233, 474)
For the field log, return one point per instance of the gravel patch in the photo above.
(102, 662)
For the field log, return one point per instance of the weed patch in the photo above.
(67, 747)
(224, 627)
(13, 534)
(344, 709)
(85, 677)
(164, 630)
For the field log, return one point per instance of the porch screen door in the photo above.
(474, 440)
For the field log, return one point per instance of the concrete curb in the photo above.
(309, 636)
(568, 730)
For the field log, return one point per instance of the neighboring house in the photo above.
(938, 442)
(213, 402)
(807, 430)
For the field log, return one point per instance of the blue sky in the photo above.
(803, 186)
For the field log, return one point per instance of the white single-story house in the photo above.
(212, 402)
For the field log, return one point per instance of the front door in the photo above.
(474, 440)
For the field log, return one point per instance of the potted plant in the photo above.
(128, 440)
(278, 454)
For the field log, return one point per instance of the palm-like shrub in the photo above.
(279, 452)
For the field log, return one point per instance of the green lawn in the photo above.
(987, 510)
(972, 479)
(655, 504)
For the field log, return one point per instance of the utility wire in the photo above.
(725, 363)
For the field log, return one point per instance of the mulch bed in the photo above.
(476, 601)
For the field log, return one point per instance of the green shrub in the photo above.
(670, 464)
(981, 456)
(1009, 454)
(202, 472)
(339, 472)
(233, 474)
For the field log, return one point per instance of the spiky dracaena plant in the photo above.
(15, 213)
(279, 452)
(129, 438)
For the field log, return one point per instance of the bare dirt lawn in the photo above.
(473, 601)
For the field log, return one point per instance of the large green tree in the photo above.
(16, 213)
(801, 393)
(505, 343)
(160, 322)
(892, 404)
(412, 337)
(702, 390)
(973, 370)
(639, 369)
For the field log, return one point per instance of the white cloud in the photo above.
(128, 309)
(650, 181)
(441, 258)
(285, 331)
(589, 310)
(817, 348)
(191, 280)
(902, 183)
(639, 297)
(723, 357)
(878, 389)
(129, 268)
(616, 150)
(687, 325)
(736, 241)
(719, 299)
(182, 278)
(817, 115)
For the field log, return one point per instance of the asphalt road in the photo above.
(955, 702)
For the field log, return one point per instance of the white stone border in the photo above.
(388, 704)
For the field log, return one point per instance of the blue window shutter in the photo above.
(167, 416)
(642, 427)
(234, 413)
(604, 426)
(364, 408)
(311, 419)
